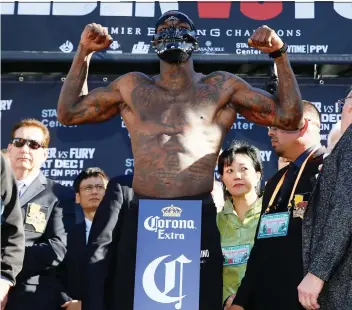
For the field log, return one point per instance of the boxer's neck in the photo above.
(176, 76)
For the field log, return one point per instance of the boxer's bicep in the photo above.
(258, 106)
(98, 105)
(255, 105)
(237, 96)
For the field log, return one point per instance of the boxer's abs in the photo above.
(172, 170)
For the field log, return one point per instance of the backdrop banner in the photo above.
(222, 28)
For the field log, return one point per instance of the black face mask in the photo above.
(175, 45)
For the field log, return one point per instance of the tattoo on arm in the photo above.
(222, 80)
(289, 95)
(97, 106)
(257, 107)
(283, 111)
(76, 105)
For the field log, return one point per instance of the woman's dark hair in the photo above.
(240, 147)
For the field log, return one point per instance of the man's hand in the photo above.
(236, 307)
(4, 290)
(229, 301)
(265, 40)
(72, 305)
(309, 290)
(95, 38)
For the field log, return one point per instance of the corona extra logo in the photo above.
(171, 211)
(171, 268)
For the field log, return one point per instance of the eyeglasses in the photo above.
(341, 103)
(89, 188)
(34, 145)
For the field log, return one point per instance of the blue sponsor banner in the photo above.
(222, 27)
(168, 255)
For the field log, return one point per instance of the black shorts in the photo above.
(211, 262)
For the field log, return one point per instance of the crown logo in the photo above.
(171, 211)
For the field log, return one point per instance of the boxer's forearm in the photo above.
(289, 95)
(75, 84)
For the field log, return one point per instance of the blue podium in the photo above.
(168, 255)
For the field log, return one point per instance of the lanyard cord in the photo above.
(278, 186)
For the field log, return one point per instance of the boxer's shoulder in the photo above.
(134, 78)
(129, 81)
(139, 77)
(219, 78)
(217, 75)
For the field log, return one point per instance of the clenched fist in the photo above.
(95, 38)
(265, 40)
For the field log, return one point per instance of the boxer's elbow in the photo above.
(290, 120)
(72, 114)
(64, 116)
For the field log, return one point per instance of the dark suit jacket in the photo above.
(327, 229)
(72, 270)
(12, 233)
(102, 248)
(251, 288)
(45, 246)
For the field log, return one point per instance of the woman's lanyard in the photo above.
(278, 186)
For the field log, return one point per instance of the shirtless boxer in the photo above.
(177, 123)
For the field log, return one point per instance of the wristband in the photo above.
(279, 52)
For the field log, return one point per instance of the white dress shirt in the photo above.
(88, 227)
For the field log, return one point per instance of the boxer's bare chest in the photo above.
(175, 137)
(174, 105)
(174, 108)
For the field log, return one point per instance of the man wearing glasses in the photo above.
(90, 186)
(274, 269)
(327, 247)
(47, 211)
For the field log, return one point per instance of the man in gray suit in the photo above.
(327, 228)
(12, 233)
(47, 211)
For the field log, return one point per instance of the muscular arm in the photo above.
(283, 111)
(76, 105)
